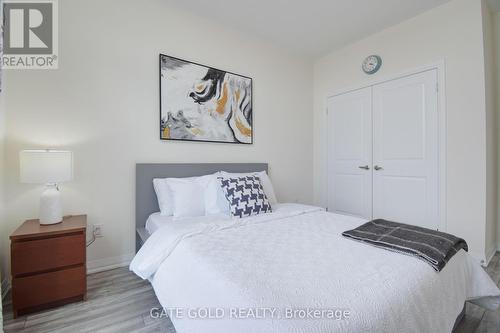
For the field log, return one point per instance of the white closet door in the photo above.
(350, 153)
(405, 150)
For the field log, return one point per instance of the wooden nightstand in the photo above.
(48, 264)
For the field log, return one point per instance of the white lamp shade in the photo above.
(45, 166)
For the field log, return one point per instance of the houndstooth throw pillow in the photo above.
(245, 195)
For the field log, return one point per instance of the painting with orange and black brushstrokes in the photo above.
(200, 103)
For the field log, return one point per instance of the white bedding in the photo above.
(296, 258)
(155, 221)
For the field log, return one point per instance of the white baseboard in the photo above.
(5, 287)
(105, 264)
(489, 255)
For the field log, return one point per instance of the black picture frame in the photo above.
(161, 55)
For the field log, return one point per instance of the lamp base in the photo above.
(50, 205)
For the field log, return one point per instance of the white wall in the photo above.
(3, 243)
(496, 38)
(102, 103)
(451, 32)
(3, 266)
(491, 136)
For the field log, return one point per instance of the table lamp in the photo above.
(48, 167)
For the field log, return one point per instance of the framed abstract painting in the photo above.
(202, 103)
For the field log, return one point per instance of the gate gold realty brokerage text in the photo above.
(250, 313)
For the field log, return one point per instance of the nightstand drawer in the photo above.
(32, 256)
(36, 290)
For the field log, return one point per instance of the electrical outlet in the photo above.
(98, 230)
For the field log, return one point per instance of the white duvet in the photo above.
(268, 273)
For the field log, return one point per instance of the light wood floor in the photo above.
(119, 301)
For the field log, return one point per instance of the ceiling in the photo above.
(309, 27)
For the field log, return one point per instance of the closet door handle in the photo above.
(365, 167)
(376, 167)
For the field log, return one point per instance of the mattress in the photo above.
(266, 273)
(156, 221)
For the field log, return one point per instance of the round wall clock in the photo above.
(372, 64)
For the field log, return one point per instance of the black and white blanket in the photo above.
(434, 247)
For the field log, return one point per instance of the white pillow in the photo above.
(264, 179)
(215, 200)
(188, 196)
(165, 195)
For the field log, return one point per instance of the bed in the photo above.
(292, 271)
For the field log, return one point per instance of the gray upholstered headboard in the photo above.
(145, 197)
